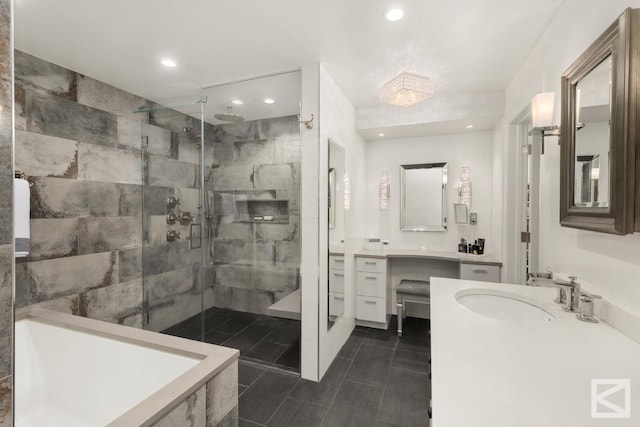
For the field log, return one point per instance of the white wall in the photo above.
(608, 264)
(338, 122)
(472, 149)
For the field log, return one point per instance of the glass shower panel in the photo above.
(173, 258)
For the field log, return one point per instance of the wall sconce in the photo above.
(464, 191)
(347, 192)
(384, 190)
(542, 116)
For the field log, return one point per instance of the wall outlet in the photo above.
(473, 218)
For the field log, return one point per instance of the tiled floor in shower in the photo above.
(264, 339)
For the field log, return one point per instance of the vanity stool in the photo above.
(416, 291)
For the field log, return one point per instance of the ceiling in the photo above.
(465, 46)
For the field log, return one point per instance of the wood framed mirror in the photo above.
(599, 125)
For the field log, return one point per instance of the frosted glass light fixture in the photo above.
(384, 190)
(347, 192)
(465, 186)
(406, 89)
(542, 109)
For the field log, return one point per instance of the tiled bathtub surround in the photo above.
(6, 217)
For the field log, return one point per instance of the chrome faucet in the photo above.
(568, 292)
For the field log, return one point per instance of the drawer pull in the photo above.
(338, 260)
(371, 278)
(370, 262)
(481, 271)
(339, 298)
(339, 274)
(371, 302)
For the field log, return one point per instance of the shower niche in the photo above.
(253, 207)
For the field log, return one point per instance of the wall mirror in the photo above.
(423, 197)
(598, 131)
(337, 232)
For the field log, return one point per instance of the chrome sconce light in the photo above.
(384, 190)
(542, 116)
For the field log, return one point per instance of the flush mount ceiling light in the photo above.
(394, 14)
(169, 63)
(406, 89)
(381, 134)
(269, 101)
(237, 102)
(469, 126)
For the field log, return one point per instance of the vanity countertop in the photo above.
(441, 255)
(497, 373)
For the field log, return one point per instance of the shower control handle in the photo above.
(172, 202)
(172, 236)
(186, 218)
(172, 218)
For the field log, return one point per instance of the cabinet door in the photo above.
(480, 272)
(371, 265)
(336, 303)
(371, 309)
(336, 262)
(336, 281)
(371, 284)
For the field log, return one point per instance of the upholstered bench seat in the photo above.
(416, 291)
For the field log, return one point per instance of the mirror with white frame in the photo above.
(423, 193)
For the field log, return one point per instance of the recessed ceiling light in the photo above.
(237, 102)
(269, 101)
(394, 14)
(168, 62)
(381, 134)
(469, 126)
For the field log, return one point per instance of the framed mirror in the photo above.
(598, 132)
(423, 197)
(337, 232)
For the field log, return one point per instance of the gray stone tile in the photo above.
(103, 234)
(43, 155)
(55, 116)
(129, 264)
(267, 352)
(234, 230)
(6, 401)
(355, 405)
(44, 77)
(129, 133)
(171, 256)
(230, 420)
(260, 401)
(276, 176)
(271, 128)
(170, 173)
(115, 303)
(173, 120)
(222, 395)
(69, 304)
(247, 423)
(6, 309)
(99, 95)
(160, 140)
(130, 199)
(288, 231)
(235, 276)
(155, 230)
(19, 108)
(5, 55)
(53, 238)
(164, 287)
(294, 413)
(189, 199)
(191, 412)
(288, 253)
(108, 164)
(371, 365)
(287, 149)
(6, 179)
(406, 399)
(67, 198)
(230, 132)
(323, 392)
(49, 279)
(254, 152)
(275, 279)
(182, 307)
(155, 199)
(233, 177)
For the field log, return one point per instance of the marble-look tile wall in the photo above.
(257, 263)
(93, 240)
(6, 218)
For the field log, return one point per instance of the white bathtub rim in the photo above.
(213, 360)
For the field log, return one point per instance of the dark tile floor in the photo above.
(377, 380)
(262, 339)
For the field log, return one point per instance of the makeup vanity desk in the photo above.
(378, 274)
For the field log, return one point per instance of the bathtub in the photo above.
(72, 371)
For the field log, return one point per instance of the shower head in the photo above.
(229, 116)
(214, 166)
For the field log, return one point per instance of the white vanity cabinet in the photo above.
(336, 285)
(372, 292)
(480, 272)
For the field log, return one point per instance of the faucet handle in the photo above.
(572, 279)
(589, 296)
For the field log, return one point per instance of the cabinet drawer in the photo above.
(371, 309)
(480, 272)
(371, 265)
(371, 284)
(336, 262)
(336, 281)
(336, 303)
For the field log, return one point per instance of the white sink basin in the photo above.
(504, 306)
